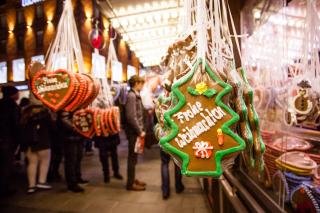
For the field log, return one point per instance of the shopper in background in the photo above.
(73, 150)
(24, 102)
(9, 132)
(108, 147)
(165, 177)
(134, 128)
(88, 147)
(36, 125)
(56, 151)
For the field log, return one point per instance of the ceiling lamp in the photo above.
(148, 28)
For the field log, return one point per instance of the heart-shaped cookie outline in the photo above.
(75, 92)
(74, 104)
(110, 122)
(104, 130)
(65, 99)
(33, 68)
(97, 122)
(91, 91)
(90, 133)
(116, 119)
(106, 127)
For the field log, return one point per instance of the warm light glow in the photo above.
(29, 15)
(148, 28)
(10, 31)
(257, 14)
(88, 11)
(28, 26)
(105, 23)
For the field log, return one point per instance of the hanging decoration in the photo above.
(208, 98)
(92, 122)
(303, 102)
(96, 38)
(65, 51)
(104, 117)
(59, 86)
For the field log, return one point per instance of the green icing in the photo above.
(210, 93)
(192, 91)
(164, 142)
(255, 117)
(244, 118)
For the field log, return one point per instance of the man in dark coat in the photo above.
(73, 149)
(134, 128)
(9, 131)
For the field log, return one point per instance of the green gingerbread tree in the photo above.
(200, 126)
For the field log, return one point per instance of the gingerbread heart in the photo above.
(97, 121)
(83, 122)
(76, 102)
(105, 126)
(91, 92)
(33, 68)
(54, 89)
(115, 120)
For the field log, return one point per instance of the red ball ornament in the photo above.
(96, 39)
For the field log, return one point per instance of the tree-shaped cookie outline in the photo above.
(255, 124)
(165, 141)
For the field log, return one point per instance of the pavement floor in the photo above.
(112, 197)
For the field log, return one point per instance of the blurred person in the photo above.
(88, 147)
(165, 177)
(108, 147)
(56, 151)
(9, 131)
(24, 102)
(36, 124)
(134, 128)
(73, 150)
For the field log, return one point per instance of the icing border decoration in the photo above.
(164, 142)
(255, 120)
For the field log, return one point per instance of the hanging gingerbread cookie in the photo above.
(200, 135)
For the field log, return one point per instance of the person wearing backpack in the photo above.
(36, 125)
(134, 128)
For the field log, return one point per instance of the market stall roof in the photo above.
(148, 27)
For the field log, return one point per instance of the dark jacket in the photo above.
(65, 125)
(134, 113)
(110, 141)
(36, 125)
(9, 121)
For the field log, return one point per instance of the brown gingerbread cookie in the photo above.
(54, 89)
(83, 122)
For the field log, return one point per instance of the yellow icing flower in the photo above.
(201, 88)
